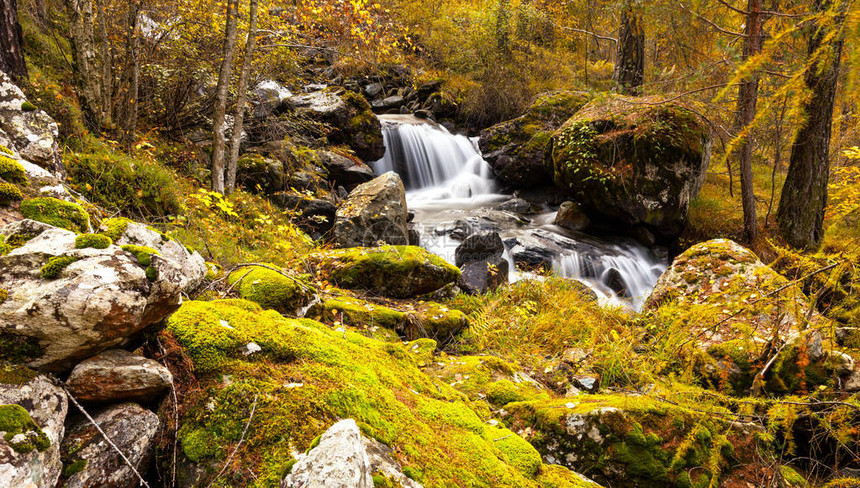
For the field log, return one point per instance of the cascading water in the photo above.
(450, 186)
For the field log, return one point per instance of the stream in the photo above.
(452, 193)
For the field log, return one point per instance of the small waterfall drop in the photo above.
(449, 183)
(433, 163)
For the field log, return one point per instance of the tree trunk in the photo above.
(804, 196)
(221, 97)
(87, 75)
(746, 109)
(11, 42)
(239, 118)
(131, 76)
(106, 61)
(629, 72)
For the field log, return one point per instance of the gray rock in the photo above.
(118, 375)
(345, 459)
(344, 171)
(192, 265)
(373, 89)
(479, 247)
(47, 405)
(129, 426)
(479, 277)
(394, 101)
(32, 133)
(374, 212)
(571, 216)
(95, 302)
(515, 205)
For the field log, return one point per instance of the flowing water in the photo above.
(451, 190)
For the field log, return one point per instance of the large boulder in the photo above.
(125, 232)
(350, 116)
(91, 462)
(391, 271)
(346, 459)
(738, 318)
(65, 304)
(315, 216)
(481, 263)
(272, 288)
(375, 212)
(118, 375)
(32, 415)
(633, 161)
(345, 171)
(29, 131)
(515, 148)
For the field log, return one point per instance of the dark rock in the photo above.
(130, 427)
(393, 101)
(515, 149)
(615, 281)
(429, 88)
(515, 205)
(484, 276)
(571, 217)
(345, 171)
(313, 215)
(255, 171)
(373, 89)
(424, 114)
(479, 247)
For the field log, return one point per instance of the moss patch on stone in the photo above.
(143, 254)
(21, 432)
(56, 265)
(12, 171)
(95, 241)
(271, 289)
(393, 271)
(356, 312)
(9, 193)
(115, 227)
(13, 374)
(56, 212)
(19, 349)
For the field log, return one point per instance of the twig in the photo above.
(103, 434)
(235, 449)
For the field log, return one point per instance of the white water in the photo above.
(447, 181)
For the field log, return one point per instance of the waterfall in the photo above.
(447, 180)
(433, 163)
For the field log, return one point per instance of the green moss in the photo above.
(4, 247)
(15, 421)
(395, 271)
(272, 290)
(504, 391)
(213, 271)
(414, 474)
(6, 150)
(437, 322)
(12, 374)
(19, 349)
(56, 212)
(95, 241)
(27, 106)
(18, 239)
(198, 445)
(9, 193)
(355, 312)
(56, 265)
(143, 254)
(4, 294)
(74, 468)
(12, 171)
(520, 454)
(115, 227)
(151, 273)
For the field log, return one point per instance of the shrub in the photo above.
(12, 171)
(57, 213)
(134, 185)
(95, 241)
(9, 193)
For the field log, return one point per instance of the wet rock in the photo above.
(191, 263)
(615, 281)
(31, 131)
(479, 277)
(515, 149)
(373, 213)
(31, 456)
(373, 89)
(571, 216)
(515, 205)
(88, 300)
(635, 163)
(130, 427)
(345, 171)
(392, 271)
(345, 459)
(118, 375)
(479, 247)
(394, 101)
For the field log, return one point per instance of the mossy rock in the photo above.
(258, 173)
(55, 266)
(18, 349)
(392, 271)
(435, 321)
(355, 312)
(638, 162)
(271, 289)
(9, 193)
(12, 171)
(95, 241)
(56, 212)
(20, 431)
(489, 379)
(515, 149)
(115, 227)
(635, 441)
(306, 377)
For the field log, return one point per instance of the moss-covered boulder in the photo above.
(637, 441)
(304, 379)
(636, 161)
(374, 212)
(355, 312)
(272, 289)
(391, 271)
(350, 116)
(435, 321)
(741, 325)
(515, 148)
(58, 213)
(256, 172)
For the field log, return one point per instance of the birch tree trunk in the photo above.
(239, 117)
(221, 97)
